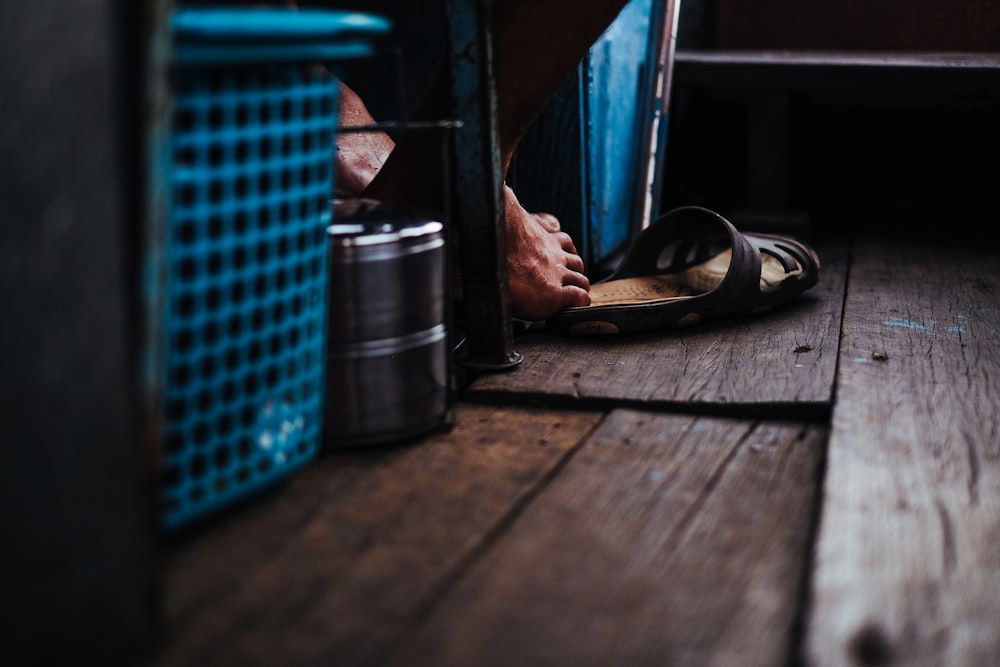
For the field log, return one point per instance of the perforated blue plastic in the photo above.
(250, 178)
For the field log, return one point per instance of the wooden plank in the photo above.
(665, 540)
(868, 76)
(885, 61)
(776, 364)
(330, 570)
(908, 556)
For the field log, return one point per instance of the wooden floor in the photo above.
(819, 485)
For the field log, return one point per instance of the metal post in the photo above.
(478, 204)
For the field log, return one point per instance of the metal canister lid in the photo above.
(364, 223)
(387, 272)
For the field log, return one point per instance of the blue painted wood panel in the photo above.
(614, 108)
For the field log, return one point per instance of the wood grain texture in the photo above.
(908, 556)
(780, 363)
(332, 568)
(665, 540)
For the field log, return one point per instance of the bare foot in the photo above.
(543, 268)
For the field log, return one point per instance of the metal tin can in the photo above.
(388, 370)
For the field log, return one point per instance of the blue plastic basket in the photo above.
(250, 176)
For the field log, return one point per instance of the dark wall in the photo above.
(915, 25)
(393, 81)
(904, 141)
(77, 577)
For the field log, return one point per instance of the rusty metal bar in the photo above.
(478, 207)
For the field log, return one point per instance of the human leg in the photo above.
(360, 155)
(536, 44)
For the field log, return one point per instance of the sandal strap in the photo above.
(696, 235)
(792, 254)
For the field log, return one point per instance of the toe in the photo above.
(548, 221)
(576, 297)
(574, 263)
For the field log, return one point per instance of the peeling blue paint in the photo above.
(897, 322)
(917, 326)
(614, 76)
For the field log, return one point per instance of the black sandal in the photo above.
(692, 264)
